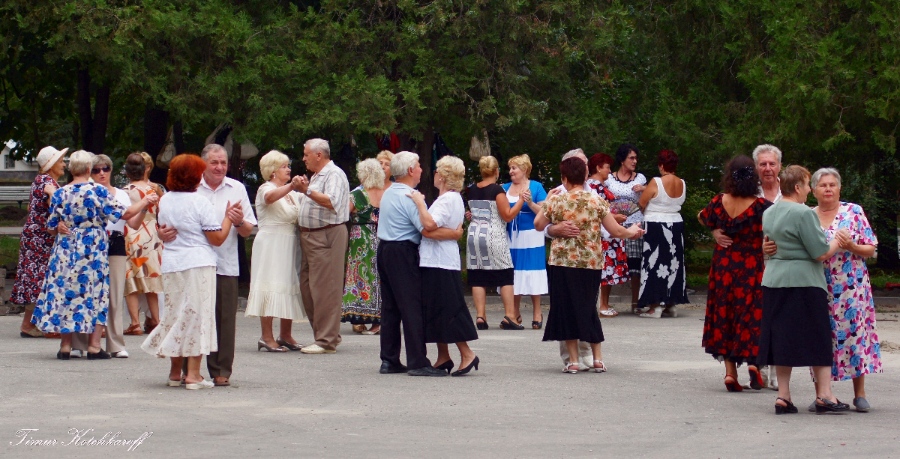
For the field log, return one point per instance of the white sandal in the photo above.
(608, 312)
(568, 368)
(601, 368)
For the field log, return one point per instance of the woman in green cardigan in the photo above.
(796, 329)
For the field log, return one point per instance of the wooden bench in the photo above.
(19, 194)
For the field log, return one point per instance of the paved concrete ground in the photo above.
(663, 397)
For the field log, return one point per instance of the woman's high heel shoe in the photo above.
(787, 408)
(63, 355)
(260, 345)
(448, 365)
(732, 385)
(293, 347)
(467, 369)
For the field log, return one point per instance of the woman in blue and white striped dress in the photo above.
(526, 243)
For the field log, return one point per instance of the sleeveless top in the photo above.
(662, 207)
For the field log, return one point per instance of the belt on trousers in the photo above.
(312, 230)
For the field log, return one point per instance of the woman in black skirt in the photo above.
(446, 315)
(576, 264)
(796, 327)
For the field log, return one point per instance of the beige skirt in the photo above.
(188, 328)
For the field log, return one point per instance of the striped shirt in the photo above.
(331, 181)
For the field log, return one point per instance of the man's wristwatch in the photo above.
(239, 224)
(309, 192)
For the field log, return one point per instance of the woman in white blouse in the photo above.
(274, 290)
(446, 315)
(188, 330)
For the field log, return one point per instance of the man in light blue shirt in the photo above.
(399, 233)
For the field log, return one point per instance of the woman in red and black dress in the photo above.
(734, 304)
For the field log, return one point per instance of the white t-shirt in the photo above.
(190, 214)
(448, 211)
(232, 191)
(119, 225)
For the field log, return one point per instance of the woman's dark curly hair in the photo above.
(135, 167)
(623, 151)
(573, 170)
(185, 171)
(740, 178)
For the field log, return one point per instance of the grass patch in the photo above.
(9, 251)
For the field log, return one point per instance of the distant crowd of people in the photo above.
(788, 285)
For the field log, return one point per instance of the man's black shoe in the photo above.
(426, 371)
(389, 368)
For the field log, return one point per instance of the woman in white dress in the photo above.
(188, 329)
(274, 289)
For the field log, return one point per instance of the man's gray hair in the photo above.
(401, 163)
(766, 148)
(823, 172)
(319, 146)
(211, 148)
(578, 152)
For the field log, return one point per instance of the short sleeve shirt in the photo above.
(448, 211)
(191, 214)
(587, 211)
(332, 181)
(398, 219)
(232, 191)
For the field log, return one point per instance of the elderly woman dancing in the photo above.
(576, 263)
(361, 303)
(274, 291)
(75, 294)
(188, 329)
(36, 243)
(734, 300)
(447, 318)
(796, 328)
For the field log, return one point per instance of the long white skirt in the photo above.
(274, 275)
(188, 327)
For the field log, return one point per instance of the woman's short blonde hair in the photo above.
(270, 163)
(523, 162)
(102, 160)
(791, 177)
(148, 163)
(370, 174)
(488, 166)
(385, 154)
(81, 162)
(453, 171)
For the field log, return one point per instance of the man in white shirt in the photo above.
(220, 191)
(324, 212)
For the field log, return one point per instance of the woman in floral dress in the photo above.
(615, 264)
(75, 294)
(857, 351)
(362, 295)
(36, 242)
(627, 184)
(143, 275)
(734, 302)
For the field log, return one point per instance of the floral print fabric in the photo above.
(34, 246)
(587, 211)
(143, 246)
(362, 293)
(734, 301)
(857, 351)
(75, 294)
(615, 264)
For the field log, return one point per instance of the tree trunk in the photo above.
(426, 184)
(156, 124)
(101, 119)
(83, 99)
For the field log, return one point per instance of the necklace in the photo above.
(631, 176)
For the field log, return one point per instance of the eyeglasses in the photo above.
(97, 170)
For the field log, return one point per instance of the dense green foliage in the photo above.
(709, 79)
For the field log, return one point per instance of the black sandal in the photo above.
(509, 324)
(536, 325)
(788, 408)
(481, 323)
(827, 406)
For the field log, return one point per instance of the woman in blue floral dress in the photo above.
(75, 294)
